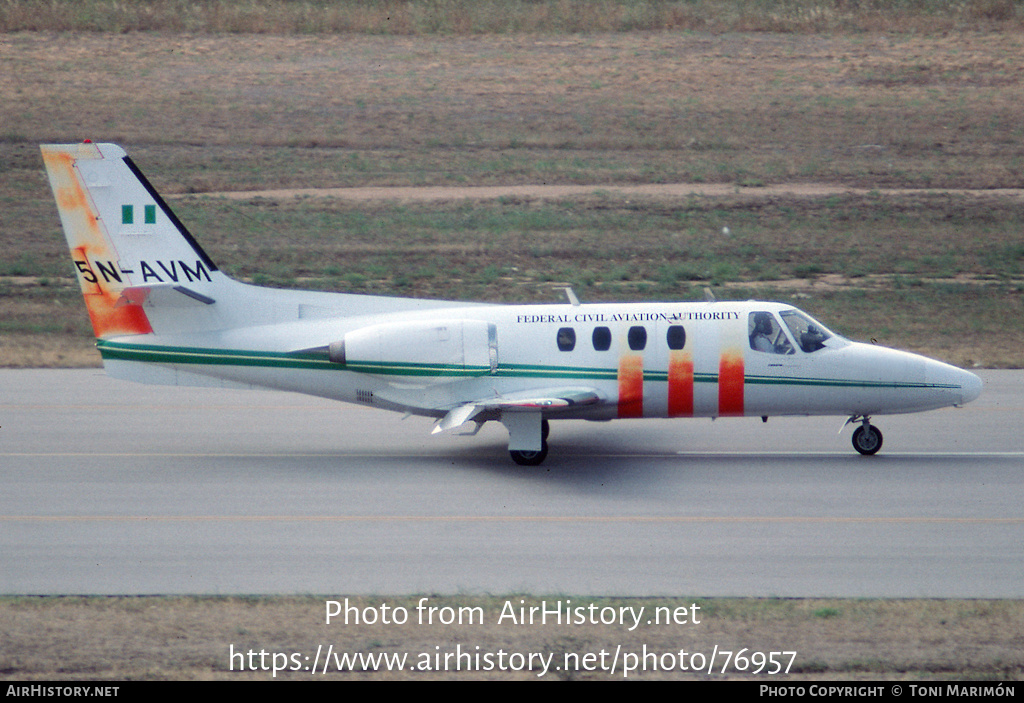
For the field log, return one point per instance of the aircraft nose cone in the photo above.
(970, 385)
(963, 386)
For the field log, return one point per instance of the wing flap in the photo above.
(546, 400)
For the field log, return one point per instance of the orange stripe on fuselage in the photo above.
(631, 386)
(730, 383)
(680, 384)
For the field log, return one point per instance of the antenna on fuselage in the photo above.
(571, 295)
(709, 296)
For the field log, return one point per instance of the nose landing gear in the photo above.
(867, 439)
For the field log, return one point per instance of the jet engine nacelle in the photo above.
(434, 349)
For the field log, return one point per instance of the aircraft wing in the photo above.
(547, 400)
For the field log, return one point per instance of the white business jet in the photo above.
(163, 313)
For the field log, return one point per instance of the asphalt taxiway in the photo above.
(111, 487)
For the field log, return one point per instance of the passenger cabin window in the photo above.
(766, 334)
(602, 339)
(637, 338)
(809, 334)
(566, 339)
(676, 337)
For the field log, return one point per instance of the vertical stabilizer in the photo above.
(125, 242)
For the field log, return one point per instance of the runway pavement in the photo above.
(116, 488)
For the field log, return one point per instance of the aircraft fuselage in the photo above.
(430, 361)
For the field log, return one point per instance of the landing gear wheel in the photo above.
(526, 458)
(867, 439)
(545, 430)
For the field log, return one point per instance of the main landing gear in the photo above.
(525, 457)
(867, 439)
(528, 458)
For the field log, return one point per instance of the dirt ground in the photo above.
(552, 192)
(869, 110)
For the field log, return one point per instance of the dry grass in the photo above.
(419, 17)
(189, 638)
(25, 350)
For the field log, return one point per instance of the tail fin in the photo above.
(126, 244)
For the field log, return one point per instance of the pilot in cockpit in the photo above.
(767, 336)
(761, 336)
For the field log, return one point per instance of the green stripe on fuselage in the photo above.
(157, 354)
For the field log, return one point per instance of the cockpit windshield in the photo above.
(807, 332)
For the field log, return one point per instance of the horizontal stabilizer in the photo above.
(164, 295)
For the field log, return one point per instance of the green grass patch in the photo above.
(915, 240)
(908, 276)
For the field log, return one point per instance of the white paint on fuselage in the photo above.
(845, 378)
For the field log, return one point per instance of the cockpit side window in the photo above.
(809, 334)
(766, 334)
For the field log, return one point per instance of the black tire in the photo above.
(525, 458)
(867, 440)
